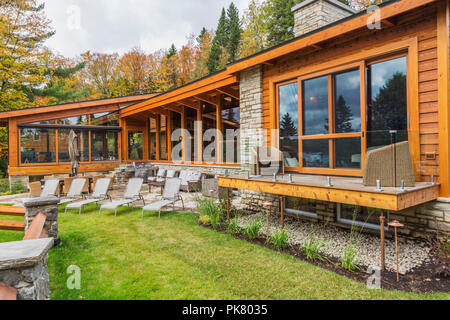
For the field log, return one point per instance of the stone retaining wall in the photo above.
(23, 266)
(48, 206)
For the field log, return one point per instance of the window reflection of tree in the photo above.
(388, 111)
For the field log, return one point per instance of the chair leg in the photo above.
(79, 211)
(159, 214)
(142, 213)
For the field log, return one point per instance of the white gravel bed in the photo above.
(412, 253)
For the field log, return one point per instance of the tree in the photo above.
(233, 32)
(280, 24)
(219, 43)
(254, 35)
(287, 126)
(201, 54)
(100, 73)
(23, 30)
(344, 116)
(59, 84)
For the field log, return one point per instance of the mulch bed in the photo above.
(422, 279)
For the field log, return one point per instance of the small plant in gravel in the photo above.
(253, 228)
(279, 239)
(348, 259)
(233, 226)
(312, 247)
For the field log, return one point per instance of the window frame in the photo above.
(361, 64)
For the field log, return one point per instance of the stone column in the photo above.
(49, 207)
(251, 93)
(23, 266)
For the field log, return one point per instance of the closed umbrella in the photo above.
(73, 152)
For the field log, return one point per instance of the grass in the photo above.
(127, 257)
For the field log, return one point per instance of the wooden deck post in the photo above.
(282, 212)
(382, 219)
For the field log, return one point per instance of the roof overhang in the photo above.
(119, 101)
(339, 28)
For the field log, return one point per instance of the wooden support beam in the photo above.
(388, 22)
(158, 129)
(219, 140)
(206, 98)
(199, 132)
(190, 104)
(443, 95)
(229, 92)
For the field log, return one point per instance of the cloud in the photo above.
(119, 25)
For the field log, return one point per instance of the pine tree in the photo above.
(234, 32)
(219, 43)
(281, 21)
(201, 37)
(287, 126)
(344, 116)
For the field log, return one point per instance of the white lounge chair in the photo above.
(160, 176)
(190, 180)
(50, 189)
(100, 193)
(75, 191)
(171, 194)
(132, 194)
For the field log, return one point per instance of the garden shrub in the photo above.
(279, 239)
(253, 228)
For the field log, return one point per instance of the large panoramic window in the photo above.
(104, 146)
(48, 141)
(152, 139)
(231, 123)
(135, 145)
(386, 102)
(82, 142)
(288, 123)
(335, 124)
(190, 118)
(37, 145)
(163, 153)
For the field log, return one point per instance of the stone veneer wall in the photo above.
(48, 206)
(23, 266)
(313, 14)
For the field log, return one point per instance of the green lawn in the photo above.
(126, 257)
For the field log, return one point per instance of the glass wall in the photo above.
(104, 146)
(386, 102)
(135, 145)
(48, 141)
(163, 152)
(152, 140)
(231, 124)
(190, 119)
(288, 119)
(37, 145)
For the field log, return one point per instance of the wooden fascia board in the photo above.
(180, 94)
(72, 106)
(356, 23)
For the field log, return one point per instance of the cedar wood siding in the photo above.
(419, 23)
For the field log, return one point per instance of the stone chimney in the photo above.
(310, 15)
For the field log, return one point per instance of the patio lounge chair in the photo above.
(171, 194)
(160, 175)
(190, 180)
(159, 182)
(50, 188)
(75, 191)
(132, 194)
(100, 193)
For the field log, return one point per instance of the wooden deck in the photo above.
(343, 190)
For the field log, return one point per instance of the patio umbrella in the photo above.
(73, 152)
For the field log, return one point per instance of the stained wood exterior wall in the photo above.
(419, 27)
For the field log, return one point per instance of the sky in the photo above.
(109, 26)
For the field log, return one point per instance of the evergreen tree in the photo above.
(287, 126)
(234, 32)
(344, 116)
(281, 21)
(218, 44)
(201, 37)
